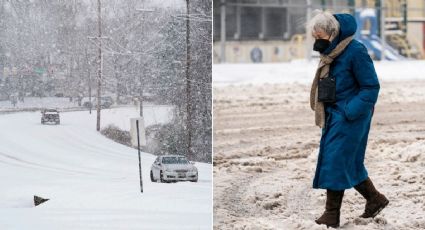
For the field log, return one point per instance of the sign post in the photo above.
(138, 149)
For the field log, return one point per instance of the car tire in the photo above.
(196, 180)
(152, 179)
(161, 177)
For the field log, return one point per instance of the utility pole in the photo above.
(99, 70)
(188, 86)
(89, 78)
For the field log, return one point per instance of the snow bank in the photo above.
(303, 72)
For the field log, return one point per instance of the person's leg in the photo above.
(375, 201)
(333, 206)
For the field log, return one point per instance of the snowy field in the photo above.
(266, 146)
(92, 182)
(154, 114)
(119, 116)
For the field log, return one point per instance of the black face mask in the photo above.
(320, 45)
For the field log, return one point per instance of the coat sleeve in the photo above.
(365, 75)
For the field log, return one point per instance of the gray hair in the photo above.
(325, 21)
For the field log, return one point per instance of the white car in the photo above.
(169, 168)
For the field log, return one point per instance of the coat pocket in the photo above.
(354, 111)
(336, 117)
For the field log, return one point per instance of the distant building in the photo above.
(275, 29)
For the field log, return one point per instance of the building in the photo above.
(274, 30)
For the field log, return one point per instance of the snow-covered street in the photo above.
(266, 147)
(92, 182)
(146, 65)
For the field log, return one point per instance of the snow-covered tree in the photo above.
(50, 48)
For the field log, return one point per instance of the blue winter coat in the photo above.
(344, 137)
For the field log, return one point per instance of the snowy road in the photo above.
(265, 154)
(92, 181)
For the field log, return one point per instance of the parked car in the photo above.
(50, 116)
(105, 102)
(170, 168)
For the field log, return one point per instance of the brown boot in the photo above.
(333, 205)
(375, 201)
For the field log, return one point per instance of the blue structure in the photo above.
(372, 41)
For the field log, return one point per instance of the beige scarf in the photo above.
(323, 72)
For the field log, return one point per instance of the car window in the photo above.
(183, 160)
(169, 160)
(175, 160)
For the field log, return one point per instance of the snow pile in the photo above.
(303, 72)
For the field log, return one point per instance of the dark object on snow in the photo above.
(117, 135)
(39, 200)
(105, 103)
(333, 206)
(375, 201)
(50, 115)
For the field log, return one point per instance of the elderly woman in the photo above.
(344, 92)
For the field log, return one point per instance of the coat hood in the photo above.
(347, 27)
